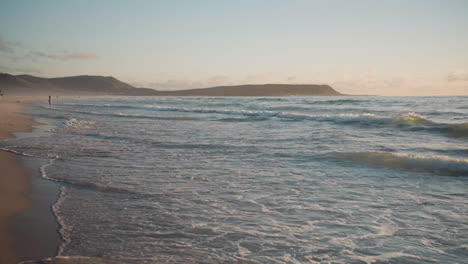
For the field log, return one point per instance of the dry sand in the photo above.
(14, 184)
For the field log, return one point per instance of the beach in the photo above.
(14, 182)
(13, 200)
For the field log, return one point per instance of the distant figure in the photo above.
(49, 100)
(1, 95)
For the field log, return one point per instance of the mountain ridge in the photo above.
(25, 84)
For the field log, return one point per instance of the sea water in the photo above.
(256, 180)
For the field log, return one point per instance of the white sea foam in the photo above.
(279, 114)
(64, 229)
(43, 169)
(17, 152)
(75, 123)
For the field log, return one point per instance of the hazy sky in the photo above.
(362, 47)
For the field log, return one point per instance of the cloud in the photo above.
(223, 80)
(172, 84)
(457, 75)
(14, 51)
(343, 80)
(399, 85)
(6, 46)
(180, 84)
(65, 55)
(218, 80)
(262, 78)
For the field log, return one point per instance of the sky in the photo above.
(393, 47)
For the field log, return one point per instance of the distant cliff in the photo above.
(100, 85)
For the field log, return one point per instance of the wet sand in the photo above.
(18, 210)
(13, 200)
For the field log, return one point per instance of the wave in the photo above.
(43, 168)
(437, 164)
(412, 121)
(125, 115)
(417, 122)
(100, 106)
(95, 186)
(64, 230)
(457, 130)
(279, 108)
(248, 119)
(172, 144)
(395, 257)
(266, 99)
(261, 99)
(17, 152)
(75, 123)
(337, 101)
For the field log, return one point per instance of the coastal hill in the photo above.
(74, 85)
(101, 85)
(258, 90)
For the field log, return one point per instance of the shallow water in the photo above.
(257, 180)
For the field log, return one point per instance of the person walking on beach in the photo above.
(49, 100)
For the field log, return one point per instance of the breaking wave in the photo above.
(125, 115)
(411, 121)
(439, 164)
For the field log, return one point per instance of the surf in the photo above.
(411, 162)
(410, 121)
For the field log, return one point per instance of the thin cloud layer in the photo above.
(457, 75)
(16, 58)
(65, 55)
(19, 70)
(5, 46)
(367, 82)
(14, 52)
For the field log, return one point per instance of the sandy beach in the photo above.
(14, 186)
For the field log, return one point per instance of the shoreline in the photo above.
(23, 212)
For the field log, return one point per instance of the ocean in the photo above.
(256, 180)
